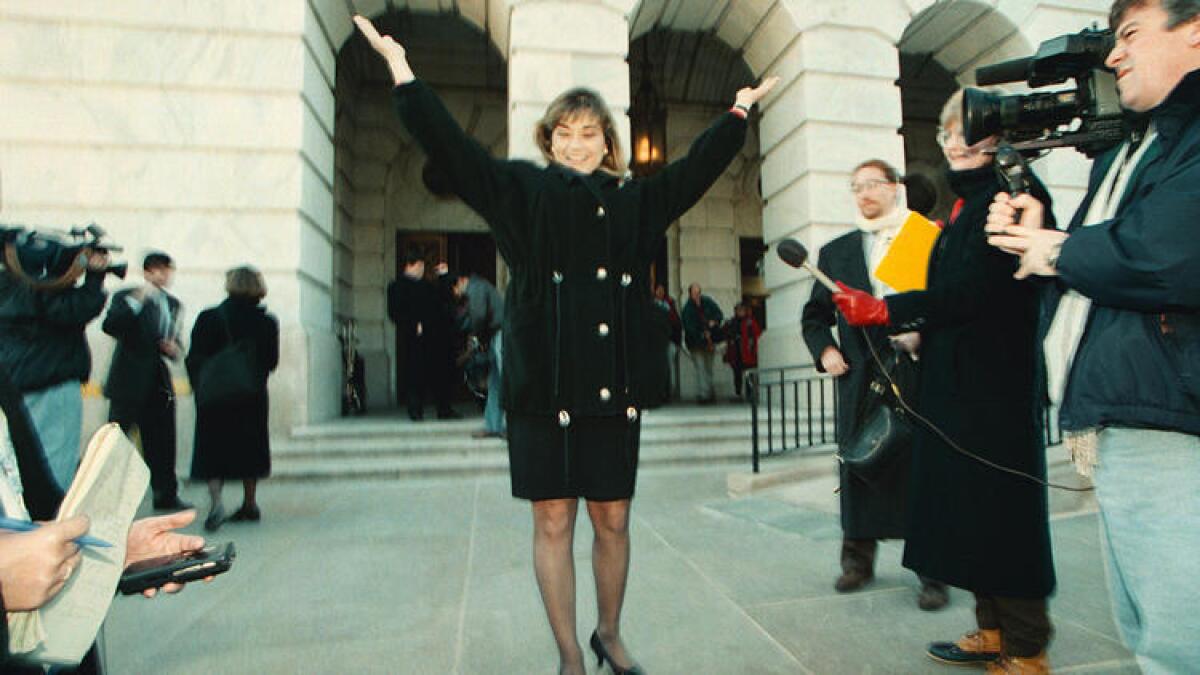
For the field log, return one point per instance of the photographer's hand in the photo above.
(98, 261)
(1037, 247)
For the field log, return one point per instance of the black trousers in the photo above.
(428, 363)
(1024, 623)
(154, 419)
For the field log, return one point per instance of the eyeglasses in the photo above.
(871, 184)
(944, 136)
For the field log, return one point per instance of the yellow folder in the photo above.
(906, 263)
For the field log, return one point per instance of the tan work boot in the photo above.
(1020, 665)
(975, 648)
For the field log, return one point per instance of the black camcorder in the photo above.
(1088, 118)
(50, 260)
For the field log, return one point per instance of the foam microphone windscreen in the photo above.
(792, 252)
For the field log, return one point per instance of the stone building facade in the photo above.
(225, 132)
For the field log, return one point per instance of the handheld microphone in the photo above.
(795, 255)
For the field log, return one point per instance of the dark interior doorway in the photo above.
(470, 252)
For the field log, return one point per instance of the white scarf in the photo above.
(878, 235)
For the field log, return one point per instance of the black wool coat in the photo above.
(233, 439)
(875, 510)
(970, 525)
(579, 335)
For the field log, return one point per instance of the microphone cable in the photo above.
(933, 428)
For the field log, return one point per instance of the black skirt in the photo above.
(594, 457)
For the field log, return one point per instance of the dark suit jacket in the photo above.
(137, 365)
(873, 511)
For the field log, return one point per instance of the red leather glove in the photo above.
(860, 308)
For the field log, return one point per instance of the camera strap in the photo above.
(12, 263)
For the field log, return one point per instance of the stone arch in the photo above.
(378, 189)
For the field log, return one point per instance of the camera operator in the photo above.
(1122, 330)
(44, 350)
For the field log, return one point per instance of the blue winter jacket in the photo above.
(1138, 364)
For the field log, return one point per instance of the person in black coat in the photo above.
(972, 525)
(421, 311)
(579, 361)
(870, 510)
(232, 437)
(145, 323)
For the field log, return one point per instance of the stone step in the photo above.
(394, 447)
(494, 461)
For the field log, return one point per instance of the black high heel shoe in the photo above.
(602, 656)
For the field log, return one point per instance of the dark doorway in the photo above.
(474, 253)
(924, 88)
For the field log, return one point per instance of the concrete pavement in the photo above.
(434, 576)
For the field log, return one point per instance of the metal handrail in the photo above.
(765, 385)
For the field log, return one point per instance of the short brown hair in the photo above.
(1178, 11)
(245, 282)
(889, 171)
(581, 101)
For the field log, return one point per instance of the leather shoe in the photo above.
(450, 414)
(852, 580)
(975, 648)
(215, 517)
(171, 503)
(246, 513)
(933, 596)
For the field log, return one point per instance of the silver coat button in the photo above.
(557, 277)
(605, 394)
(564, 419)
(602, 330)
(599, 211)
(601, 273)
(632, 413)
(626, 279)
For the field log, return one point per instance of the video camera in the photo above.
(1030, 123)
(50, 260)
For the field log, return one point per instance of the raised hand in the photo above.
(387, 47)
(748, 96)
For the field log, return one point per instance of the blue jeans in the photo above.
(493, 414)
(1148, 487)
(57, 415)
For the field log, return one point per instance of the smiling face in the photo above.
(1151, 59)
(959, 155)
(874, 194)
(578, 142)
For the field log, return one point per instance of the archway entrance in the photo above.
(386, 199)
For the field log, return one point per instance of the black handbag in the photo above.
(883, 437)
(230, 374)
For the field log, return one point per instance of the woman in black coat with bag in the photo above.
(580, 362)
(232, 438)
(974, 526)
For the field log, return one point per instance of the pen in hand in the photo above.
(15, 525)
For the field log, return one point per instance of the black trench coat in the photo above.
(233, 438)
(970, 525)
(875, 510)
(580, 336)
